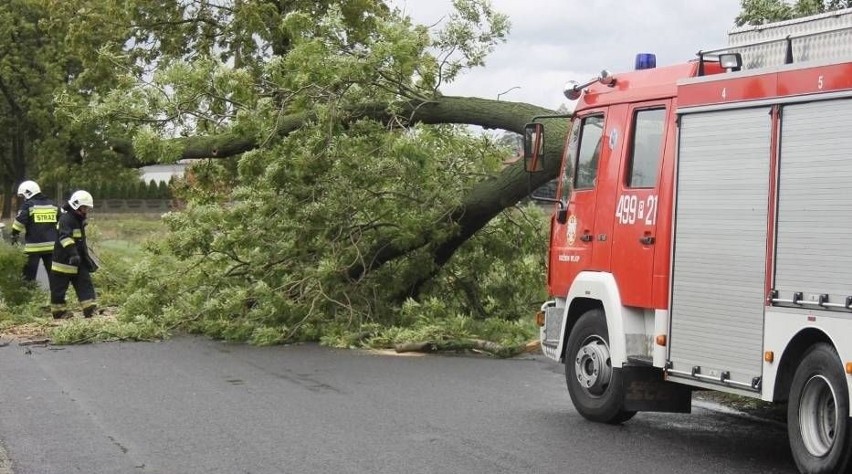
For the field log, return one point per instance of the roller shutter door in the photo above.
(814, 205)
(720, 246)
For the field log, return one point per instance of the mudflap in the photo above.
(646, 390)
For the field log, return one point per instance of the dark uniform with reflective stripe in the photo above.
(71, 265)
(37, 219)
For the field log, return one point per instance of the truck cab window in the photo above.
(643, 167)
(588, 152)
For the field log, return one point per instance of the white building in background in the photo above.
(160, 173)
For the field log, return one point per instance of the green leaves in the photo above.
(276, 249)
(469, 36)
(758, 12)
(13, 290)
(58, 55)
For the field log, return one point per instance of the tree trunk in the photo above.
(8, 191)
(18, 168)
(484, 201)
(487, 113)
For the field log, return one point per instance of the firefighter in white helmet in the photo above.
(71, 261)
(36, 219)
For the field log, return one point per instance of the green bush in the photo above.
(13, 289)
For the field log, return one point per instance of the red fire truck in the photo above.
(702, 234)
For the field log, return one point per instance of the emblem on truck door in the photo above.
(572, 229)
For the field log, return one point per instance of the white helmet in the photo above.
(81, 198)
(28, 189)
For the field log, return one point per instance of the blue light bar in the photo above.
(646, 61)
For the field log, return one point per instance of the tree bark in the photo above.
(487, 113)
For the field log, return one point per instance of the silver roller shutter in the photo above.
(814, 206)
(720, 245)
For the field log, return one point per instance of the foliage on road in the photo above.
(120, 241)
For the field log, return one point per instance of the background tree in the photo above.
(47, 52)
(758, 12)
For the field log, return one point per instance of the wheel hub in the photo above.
(593, 366)
(818, 416)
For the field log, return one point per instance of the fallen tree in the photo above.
(337, 183)
(480, 205)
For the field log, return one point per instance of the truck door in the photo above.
(718, 286)
(634, 234)
(572, 241)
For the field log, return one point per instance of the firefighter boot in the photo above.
(61, 314)
(89, 311)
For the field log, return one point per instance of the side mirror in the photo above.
(562, 215)
(533, 146)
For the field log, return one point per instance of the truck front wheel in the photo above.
(595, 388)
(818, 413)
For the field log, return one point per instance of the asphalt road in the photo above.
(191, 405)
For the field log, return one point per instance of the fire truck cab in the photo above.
(701, 238)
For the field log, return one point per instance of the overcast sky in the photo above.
(553, 41)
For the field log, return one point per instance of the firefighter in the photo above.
(37, 220)
(71, 261)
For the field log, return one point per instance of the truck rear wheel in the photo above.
(818, 413)
(595, 388)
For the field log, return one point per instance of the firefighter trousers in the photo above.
(82, 282)
(31, 267)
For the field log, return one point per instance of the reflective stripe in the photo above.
(38, 247)
(63, 268)
(43, 214)
(55, 308)
(87, 303)
(67, 241)
(77, 233)
(18, 226)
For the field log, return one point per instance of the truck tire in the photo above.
(595, 388)
(818, 423)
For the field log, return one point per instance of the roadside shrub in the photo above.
(13, 289)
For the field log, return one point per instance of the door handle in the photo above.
(586, 237)
(647, 240)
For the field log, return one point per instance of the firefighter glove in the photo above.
(74, 260)
(14, 239)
